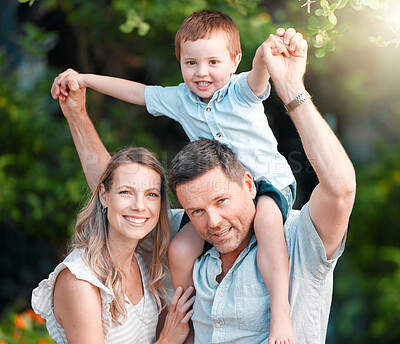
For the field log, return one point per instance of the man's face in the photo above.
(206, 65)
(222, 211)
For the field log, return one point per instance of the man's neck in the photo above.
(229, 258)
(227, 261)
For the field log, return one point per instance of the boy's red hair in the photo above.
(202, 24)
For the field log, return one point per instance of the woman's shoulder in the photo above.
(68, 282)
(74, 294)
(78, 306)
(75, 273)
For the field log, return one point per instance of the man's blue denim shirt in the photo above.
(237, 309)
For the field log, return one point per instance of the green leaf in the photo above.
(125, 28)
(333, 19)
(320, 53)
(333, 6)
(319, 12)
(313, 22)
(325, 5)
(143, 29)
(330, 46)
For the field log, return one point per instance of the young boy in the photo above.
(215, 103)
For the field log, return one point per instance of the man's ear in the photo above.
(102, 195)
(249, 184)
(235, 62)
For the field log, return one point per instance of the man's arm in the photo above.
(126, 90)
(332, 200)
(92, 153)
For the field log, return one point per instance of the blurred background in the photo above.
(353, 74)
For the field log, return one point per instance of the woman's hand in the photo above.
(176, 326)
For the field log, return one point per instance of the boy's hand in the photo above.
(285, 55)
(60, 88)
(75, 103)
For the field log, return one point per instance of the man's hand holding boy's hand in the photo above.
(285, 56)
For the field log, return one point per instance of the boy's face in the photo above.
(207, 65)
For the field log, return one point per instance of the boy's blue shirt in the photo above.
(234, 116)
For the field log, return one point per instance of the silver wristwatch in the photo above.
(300, 99)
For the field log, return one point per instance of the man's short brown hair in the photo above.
(199, 157)
(202, 24)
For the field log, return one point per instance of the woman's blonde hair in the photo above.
(91, 235)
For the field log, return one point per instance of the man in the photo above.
(232, 302)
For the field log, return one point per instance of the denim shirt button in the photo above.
(221, 293)
(217, 325)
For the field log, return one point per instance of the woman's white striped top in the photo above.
(142, 319)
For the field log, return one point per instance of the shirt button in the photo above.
(216, 271)
(221, 293)
(217, 325)
(221, 96)
(208, 109)
(218, 135)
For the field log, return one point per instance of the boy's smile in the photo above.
(207, 65)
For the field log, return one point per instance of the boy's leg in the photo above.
(182, 253)
(273, 262)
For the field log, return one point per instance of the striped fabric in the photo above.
(142, 319)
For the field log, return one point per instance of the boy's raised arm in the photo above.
(259, 76)
(126, 90)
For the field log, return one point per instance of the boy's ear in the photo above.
(236, 62)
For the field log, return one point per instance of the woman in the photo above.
(108, 289)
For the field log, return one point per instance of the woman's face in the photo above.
(133, 202)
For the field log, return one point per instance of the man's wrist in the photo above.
(298, 100)
(288, 91)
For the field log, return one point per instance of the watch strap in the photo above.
(299, 99)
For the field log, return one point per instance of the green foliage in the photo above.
(36, 172)
(325, 29)
(31, 2)
(40, 177)
(368, 287)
